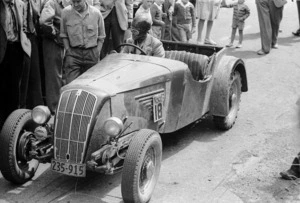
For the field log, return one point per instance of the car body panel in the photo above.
(127, 85)
(123, 72)
(219, 105)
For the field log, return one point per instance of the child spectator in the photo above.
(157, 15)
(186, 19)
(240, 13)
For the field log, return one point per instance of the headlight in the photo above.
(41, 114)
(113, 126)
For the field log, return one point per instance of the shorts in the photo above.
(238, 24)
(184, 32)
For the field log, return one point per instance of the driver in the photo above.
(140, 37)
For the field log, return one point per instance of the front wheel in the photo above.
(141, 167)
(234, 98)
(16, 163)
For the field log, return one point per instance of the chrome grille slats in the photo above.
(88, 107)
(74, 115)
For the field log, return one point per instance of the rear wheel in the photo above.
(16, 163)
(234, 98)
(141, 167)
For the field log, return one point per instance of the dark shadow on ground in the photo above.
(250, 36)
(243, 54)
(251, 54)
(288, 41)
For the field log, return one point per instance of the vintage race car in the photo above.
(112, 116)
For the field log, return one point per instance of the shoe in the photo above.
(288, 175)
(210, 42)
(261, 52)
(275, 46)
(239, 45)
(229, 45)
(297, 33)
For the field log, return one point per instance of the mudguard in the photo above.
(219, 102)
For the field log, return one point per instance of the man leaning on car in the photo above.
(82, 30)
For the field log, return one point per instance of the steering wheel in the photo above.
(131, 45)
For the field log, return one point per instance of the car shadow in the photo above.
(100, 188)
(203, 131)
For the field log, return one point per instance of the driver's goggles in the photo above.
(134, 31)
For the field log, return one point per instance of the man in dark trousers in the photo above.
(117, 15)
(269, 14)
(168, 8)
(31, 85)
(17, 44)
(297, 32)
(53, 50)
(82, 32)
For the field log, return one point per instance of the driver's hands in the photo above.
(113, 52)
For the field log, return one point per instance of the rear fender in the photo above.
(219, 103)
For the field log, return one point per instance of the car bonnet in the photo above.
(122, 72)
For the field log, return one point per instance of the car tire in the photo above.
(234, 98)
(141, 166)
(16, 133)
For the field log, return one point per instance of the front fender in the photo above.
(219, 103)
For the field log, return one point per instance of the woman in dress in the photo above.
(207, 10)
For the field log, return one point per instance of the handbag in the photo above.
(279, 3)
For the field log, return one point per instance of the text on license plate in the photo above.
(70, 169)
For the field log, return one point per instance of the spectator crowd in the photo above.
(45, 44)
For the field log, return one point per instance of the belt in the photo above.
(83, 48)
(14, 42)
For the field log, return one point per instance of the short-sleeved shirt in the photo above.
(82, 29)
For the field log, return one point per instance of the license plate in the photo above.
(70, 169)
(158, 107)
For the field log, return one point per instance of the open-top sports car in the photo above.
(112, 116)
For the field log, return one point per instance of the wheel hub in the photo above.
(150, 170)
(24, 146)
(147, 171)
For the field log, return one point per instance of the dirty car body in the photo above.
(111, 117)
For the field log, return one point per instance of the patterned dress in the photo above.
(207, 9)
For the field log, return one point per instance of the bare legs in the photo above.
(200, 28)
(207, 40)
(233, 36)
(241, 36)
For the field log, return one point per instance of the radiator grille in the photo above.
(73, 119)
